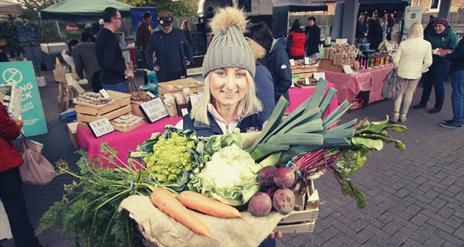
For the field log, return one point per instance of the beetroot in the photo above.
(284, 201)
(260, 204)
(284, 177)
(266, 175)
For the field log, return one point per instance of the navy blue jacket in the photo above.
(256, 120)
(457, 57)
(264, 89)
(156, 44)
(277, 62)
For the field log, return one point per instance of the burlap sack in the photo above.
(157, 227)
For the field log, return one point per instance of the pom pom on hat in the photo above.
(228, 17)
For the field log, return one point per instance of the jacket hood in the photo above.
(278, 44)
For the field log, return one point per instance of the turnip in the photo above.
(260, 204)
(266, 175)
(284, 201)
(284, 177)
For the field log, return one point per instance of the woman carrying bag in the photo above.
(11, 192)
(413, 58)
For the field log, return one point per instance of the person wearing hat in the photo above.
(441, 38)
(229, 100)
(168, 52)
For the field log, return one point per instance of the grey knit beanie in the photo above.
(229, 47)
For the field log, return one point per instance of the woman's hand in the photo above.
(276, 235)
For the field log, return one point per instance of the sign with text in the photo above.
(101, 127)
(154, 110)
(23, 76)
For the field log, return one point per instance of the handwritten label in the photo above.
(318, 75)
(307, 81)
(347, 69)
(153, 110)
(306, 60)
(150, 94)
(105, 94)
(292, 62)
(101, 127)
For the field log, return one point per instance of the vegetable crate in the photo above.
(303, 219)
(119, 105)
(176, 86)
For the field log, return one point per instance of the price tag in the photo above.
(307, 81)
(101, 127)
(347, 69)
(105, 94)
(306, 60)
(292, 62)
(150, 94)
(153, 110)
(318, 75)
(184, 111)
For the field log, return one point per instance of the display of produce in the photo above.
(92, 98)
(127, 122)
(254, 173)
(140, 96)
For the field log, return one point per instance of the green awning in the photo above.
(81, 9)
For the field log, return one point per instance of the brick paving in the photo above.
(415, 197)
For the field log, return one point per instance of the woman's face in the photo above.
(439, 28)
(228, 86)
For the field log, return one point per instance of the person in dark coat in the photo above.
(11, 192)
(390, 25)
(86, 63)
(276, 59)
(441, 38)
(361, 28)
(144, 31)
(375, 32)
(457, 83)
(3, 50)
(313, 37)
(168, 51)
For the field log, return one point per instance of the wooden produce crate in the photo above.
(130, 127)
(327, 64)
(303, 219)
(176, 86)
(119, 105)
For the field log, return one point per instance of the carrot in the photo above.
(168, 204)
(206, 205)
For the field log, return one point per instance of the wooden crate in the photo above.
(305, 215)
(176, 86)
(130, 127)
(119, 105)
(327, 64)
(135, 106)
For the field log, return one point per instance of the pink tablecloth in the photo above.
(125, 142)
(350, 85)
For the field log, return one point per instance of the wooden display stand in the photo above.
(327, 64)
(303, 219)
(304, 71)
(130, 127)
(176, 86)
(119, 105)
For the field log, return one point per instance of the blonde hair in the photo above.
(416, 31)
(257, 50)
(250, 104)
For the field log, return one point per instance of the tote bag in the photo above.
(392, 86)
(36, 169)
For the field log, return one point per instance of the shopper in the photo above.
(188, 31)
(11, 192)
(390, 25)
(313, 37)
(276, 59)
(143, 32)
(374, 32)
(4, 56)
(86, 63)
(109, 53)
(296, 41)
(414, 57)
(229, 100)
(457, 83)
(442, 37)
(66, 54)
(263, 79)
(361, 28)
(168, 51)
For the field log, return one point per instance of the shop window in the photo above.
(435, 5)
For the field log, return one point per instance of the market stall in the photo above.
(123, 142)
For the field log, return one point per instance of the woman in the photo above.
(374, 32)
(230, 99)
(11, 192)
(313, 37)
(187, 30)
(296, 42)
(361, 28)
(413, 58)
(457, 83)
(442, 37)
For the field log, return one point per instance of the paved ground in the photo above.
(415, 198)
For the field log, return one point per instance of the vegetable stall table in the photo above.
(125, 142)
(350, 85)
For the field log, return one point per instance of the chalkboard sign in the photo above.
(26, 33)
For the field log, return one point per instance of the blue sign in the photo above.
(137, 17)
(23, 76)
